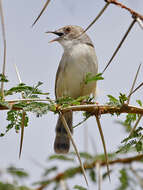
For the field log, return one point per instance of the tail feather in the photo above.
(62, 141)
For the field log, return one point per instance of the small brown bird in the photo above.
(79, 59)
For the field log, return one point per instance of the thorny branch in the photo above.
(91, 108)
(133, 13)
(104, 109)
(77, 170)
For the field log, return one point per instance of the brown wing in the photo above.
(60, 68)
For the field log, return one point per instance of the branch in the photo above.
(104, 109)
(91, 108)
(77, 170)
(133, 13)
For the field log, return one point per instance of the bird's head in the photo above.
(70, 35)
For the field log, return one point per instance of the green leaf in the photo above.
(123, 180)
(130, 118)
(139, 102)
(91, 78)
(79, 187)
(68, 101)
(139, 146)
(127, 147)
(20, 173)
(3, 103)
(86, 155)
(136, 133)
(113, 101)
(7, 186)
(60, 157)
(70, 172)
(92, 175)
(49, 170)
(28, 91)
(15, 118)
(3, 78)
(39, 108)
(122, 98)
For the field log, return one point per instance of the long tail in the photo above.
(62, 141)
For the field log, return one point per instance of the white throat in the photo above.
(69, 44)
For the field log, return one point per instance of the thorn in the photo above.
(98, 16)
(104, 145)
(137, 73)
(120, 44)
(22, 132)
(46, 4)
(74, 145)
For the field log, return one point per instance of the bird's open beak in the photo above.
(57, 33)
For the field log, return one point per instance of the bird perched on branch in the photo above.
(79, 59)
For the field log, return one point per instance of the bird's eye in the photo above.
(68, 29)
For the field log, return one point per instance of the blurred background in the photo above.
(37, 60)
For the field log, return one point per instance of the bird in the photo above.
(78, 59)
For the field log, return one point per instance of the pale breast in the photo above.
(72, 71)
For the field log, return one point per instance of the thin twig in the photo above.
(103, 143)
(46, 4)
(4, 44)
(135, 79)
(74, 145)
(98, 16)
(120, 44)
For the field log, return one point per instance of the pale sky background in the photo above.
(37, 60)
